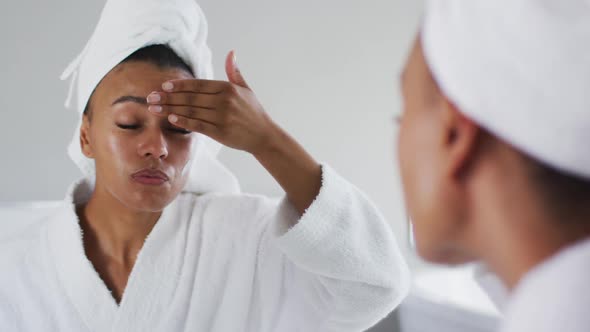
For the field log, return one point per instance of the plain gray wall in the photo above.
(326, 71)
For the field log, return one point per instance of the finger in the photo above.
(196, 113)
(234, 74)
(195, 85)
(184, 99)
(198, 126)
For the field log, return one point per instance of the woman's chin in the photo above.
(149, 205)
(150, 200)
(146, 198)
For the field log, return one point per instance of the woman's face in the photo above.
(432, 201)
(141, 159)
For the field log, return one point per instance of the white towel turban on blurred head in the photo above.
(126, 26)
(520, 69)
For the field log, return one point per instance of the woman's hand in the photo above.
(228, 112)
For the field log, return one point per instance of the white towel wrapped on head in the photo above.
(519, 68)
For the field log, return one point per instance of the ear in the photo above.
(85, 142)
(461, 139)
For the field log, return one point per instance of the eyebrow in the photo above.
(132, 99)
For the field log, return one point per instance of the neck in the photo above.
(513, 256)
(515, 234)
(112, 230)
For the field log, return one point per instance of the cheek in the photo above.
(114, 150)
(404, 144)
(180, 150)
(119, 146)
(420, 174)
(411, 159)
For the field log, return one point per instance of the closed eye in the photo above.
(135, 126)
(125, 126)
(180, 131)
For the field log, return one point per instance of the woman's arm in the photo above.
(293, 168)
(339, 264)
(328, 260)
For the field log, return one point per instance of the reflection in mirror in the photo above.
(159, 229)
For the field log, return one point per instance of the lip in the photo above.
(153, 177)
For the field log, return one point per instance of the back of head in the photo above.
(520, 69)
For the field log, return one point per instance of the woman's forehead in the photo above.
(136, 78)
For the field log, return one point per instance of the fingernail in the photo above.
(154, 98)
(235, 60)
(173, 118)
(155, 108)
(167, 86)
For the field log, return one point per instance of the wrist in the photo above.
(271, 143)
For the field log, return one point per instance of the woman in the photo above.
(156, 236)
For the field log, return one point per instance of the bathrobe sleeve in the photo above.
(338, 264)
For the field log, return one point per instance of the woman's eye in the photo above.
(180, 131)
(126, 126)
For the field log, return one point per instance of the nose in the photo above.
(153, 144)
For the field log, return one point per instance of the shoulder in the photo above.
(25, 261)
(22, 237)
(235, 211)
(20, 253)
(17, 242)
(555, 295)
(231, 204)
(24, 274)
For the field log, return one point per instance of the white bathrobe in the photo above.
(554, 296)
(214, 262)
